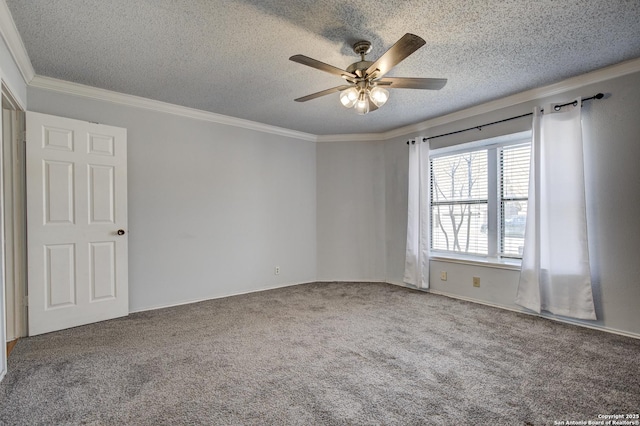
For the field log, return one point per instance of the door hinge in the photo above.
(25, 301)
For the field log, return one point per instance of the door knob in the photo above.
(120, 231)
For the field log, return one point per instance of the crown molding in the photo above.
(597, 76)
(352, 137)
(14, 43)
(573, 83)
(81, 90)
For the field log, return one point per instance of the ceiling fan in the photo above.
(366, 89)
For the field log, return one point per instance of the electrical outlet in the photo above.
(476, 281)
(443, 275)
(276, 270)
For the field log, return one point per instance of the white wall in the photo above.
(396, 156)
(351, 211)
(212, 208)
(612, 155)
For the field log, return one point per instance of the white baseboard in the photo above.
(401, 284)
(522, 311)
(351, 281)
(204, 299)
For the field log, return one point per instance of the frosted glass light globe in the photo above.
(362, 105)
(379, 96)
(349, 97)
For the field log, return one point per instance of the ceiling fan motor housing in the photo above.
(360, 65)
(362, 47)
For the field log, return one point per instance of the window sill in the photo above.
(509, 264)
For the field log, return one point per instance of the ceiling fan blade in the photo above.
(412, 83)
(313, 63)
(404, 47)
(322, 93)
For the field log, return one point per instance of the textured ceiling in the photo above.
(231, 57)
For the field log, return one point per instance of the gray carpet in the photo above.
(316, 354)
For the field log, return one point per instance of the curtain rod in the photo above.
(557, 108)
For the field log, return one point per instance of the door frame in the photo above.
(13, 206)
(3, 334)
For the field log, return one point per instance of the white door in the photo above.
(76, 222)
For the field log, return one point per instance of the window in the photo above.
(459, 200)
(479, 199)
(514, 188)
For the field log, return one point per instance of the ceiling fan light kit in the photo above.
(349, 97)
(362, 105)
(366, 89)
(379, 96)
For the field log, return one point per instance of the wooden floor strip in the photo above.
(10, 346)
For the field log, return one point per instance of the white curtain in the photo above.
(416, 269)
(555, 275)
